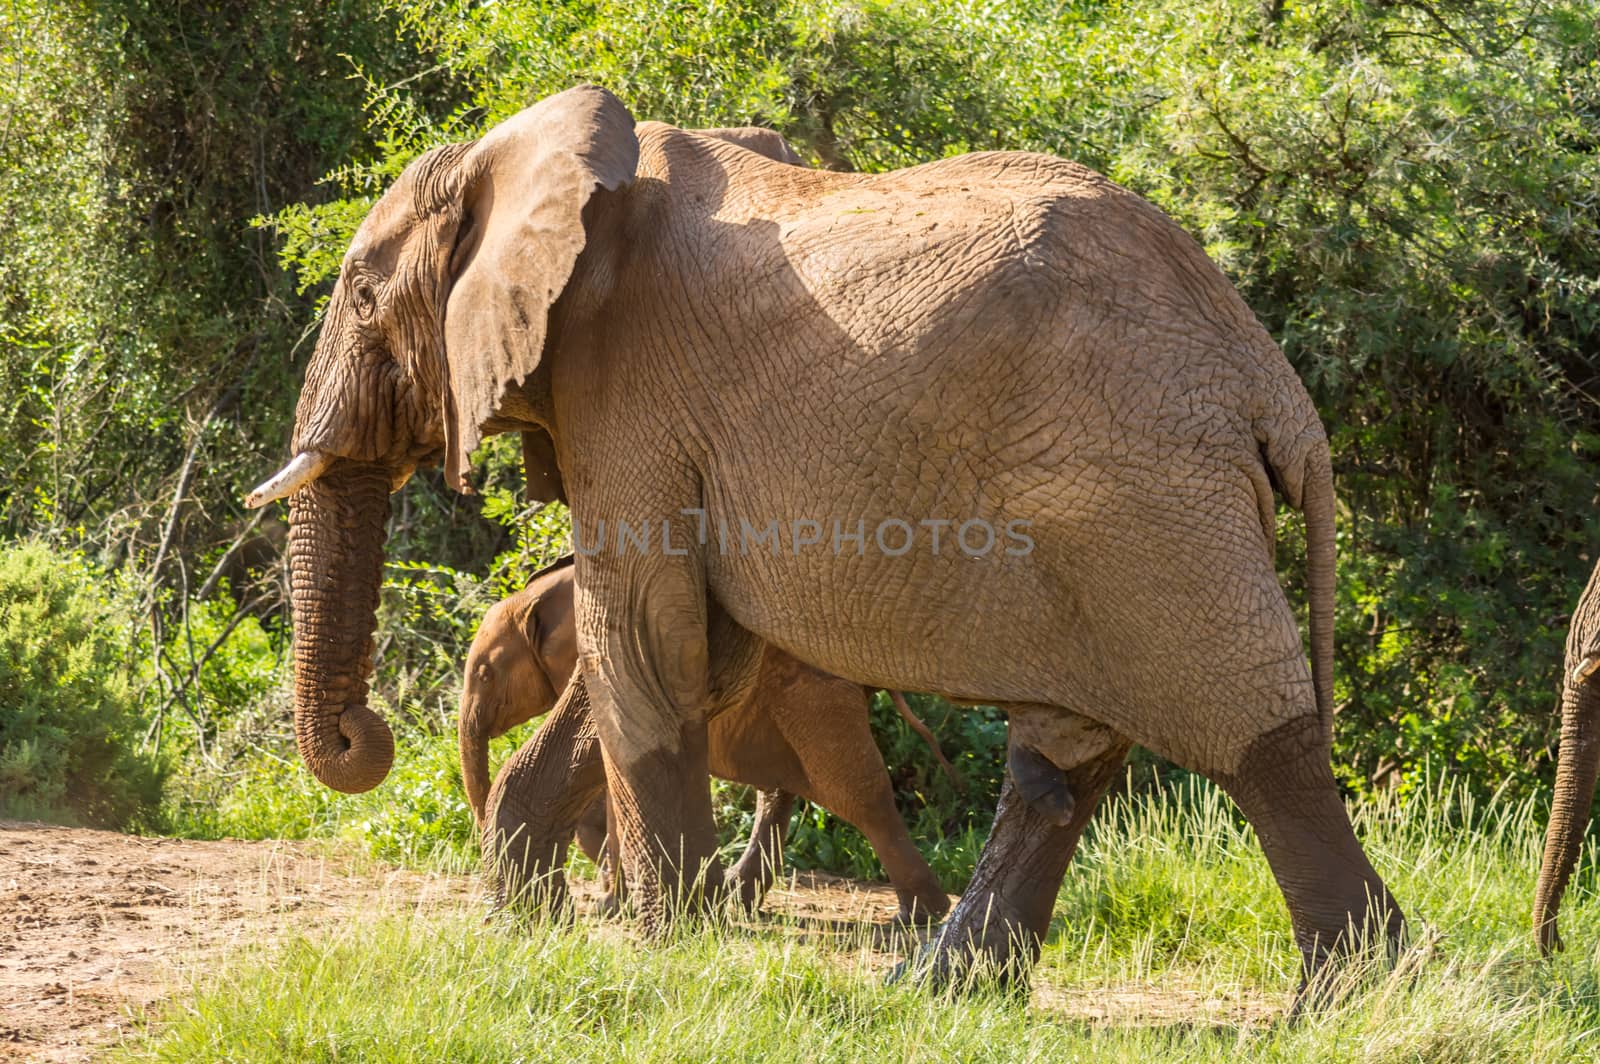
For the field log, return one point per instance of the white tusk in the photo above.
(301, 470)
(1586, 668)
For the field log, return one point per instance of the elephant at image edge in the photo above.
(1579, 763)
(700, 334)
(788, 730)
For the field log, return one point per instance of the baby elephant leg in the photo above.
(823, 725)
(763, 855)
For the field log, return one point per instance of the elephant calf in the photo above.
(794, 731)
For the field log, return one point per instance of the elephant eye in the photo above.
(366, 300)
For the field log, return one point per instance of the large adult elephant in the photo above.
(1579, 764)
(991, 427)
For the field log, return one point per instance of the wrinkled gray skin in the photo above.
(786, 730)
(1579, 764)
(685, 325)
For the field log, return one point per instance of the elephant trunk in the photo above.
(1569, 813)
(474, 743)
(336, 535)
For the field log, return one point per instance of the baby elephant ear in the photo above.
(526, 183)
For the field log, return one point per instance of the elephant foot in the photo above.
(971, 952)
(923, 907)
(526, 878)
(915, 918)
(518, 891)
(747, 891)
(664, 903)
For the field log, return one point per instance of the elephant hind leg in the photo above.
(822, 725)
(1001, 920)
(1284, 785)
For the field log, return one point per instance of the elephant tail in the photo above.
(922, 730)
(1303, 470)
(1576, 770)
(1318, 506)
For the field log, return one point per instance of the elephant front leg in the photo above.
(998, 926)
(642, 630)
(538, 800)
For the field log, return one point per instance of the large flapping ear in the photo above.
(526, 184)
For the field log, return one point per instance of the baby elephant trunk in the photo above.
(474, 743)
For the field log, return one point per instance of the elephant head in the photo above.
(1579, 764)
(521, 659)
(438, 317)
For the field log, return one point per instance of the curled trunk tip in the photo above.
(336, 534)
(360, 758)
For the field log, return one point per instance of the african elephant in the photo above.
(991, 427)
(1579, 763)
(794, 731)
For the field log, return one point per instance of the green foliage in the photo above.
(418, 817)
(70, 728)
(143, 318)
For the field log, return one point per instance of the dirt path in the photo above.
(93, 923)
(95, 926)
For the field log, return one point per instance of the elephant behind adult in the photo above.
(776, 724)
(1579, 763)
(1004, 348)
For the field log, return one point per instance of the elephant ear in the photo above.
(523, 193)
(768, 142)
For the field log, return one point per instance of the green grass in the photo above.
(1170, 944)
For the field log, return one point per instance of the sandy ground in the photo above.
(96, 926)
(93, 924)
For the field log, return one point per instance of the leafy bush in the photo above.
(70, 728)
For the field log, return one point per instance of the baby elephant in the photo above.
(795, 731)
